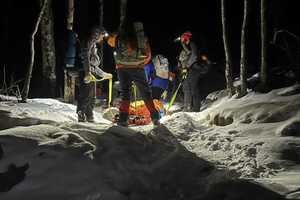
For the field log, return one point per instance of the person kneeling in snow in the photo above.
(158, 75)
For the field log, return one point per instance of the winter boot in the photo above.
(90, 119)
(155, 118)
(124, 110)
(123, 119)
(81, 116)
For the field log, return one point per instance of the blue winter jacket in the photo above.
(153, 80)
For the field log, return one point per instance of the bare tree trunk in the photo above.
(263, 26)
(228, 70)
(69, 81)
(101, 4)
(123, 7)
(48, 51)
(101, 14)
(70, 17)
(5, 9)
(243, 61)
(25, 90)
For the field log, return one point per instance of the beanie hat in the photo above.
(186, 36)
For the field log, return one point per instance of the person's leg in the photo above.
(139, 77)
(82, 100)
(195, 93)
(125, 85)
(187, 95)
(91, 102)
(156, 92)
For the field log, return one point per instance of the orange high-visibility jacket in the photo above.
(112, 41)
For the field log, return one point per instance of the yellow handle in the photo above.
(109, 91)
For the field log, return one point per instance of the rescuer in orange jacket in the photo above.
(131, 53)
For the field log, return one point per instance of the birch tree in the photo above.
(69, 81)
(101, 14)
(26, 87)
(123, 7)
(243, 61)
(48, 50)
(263, 27)
(228, 69)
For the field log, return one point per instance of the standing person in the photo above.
(131, 54)
(192, 71)
(89, 58)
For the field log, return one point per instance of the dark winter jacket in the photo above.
(189, 55)
(90, 56)
(189, 59)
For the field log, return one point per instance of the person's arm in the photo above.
(193, 54)
(148, 53)
(97, 71)
(89, 50)
(85, 57)
(111, 40)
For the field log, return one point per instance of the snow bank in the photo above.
(46, 154)
(256, 136)
(39, 111)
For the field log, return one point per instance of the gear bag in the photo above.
(73, 61)
(161, 65)
(127, 56)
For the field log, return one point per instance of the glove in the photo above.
(184, 73)
(164, 94)
(107, 76)
(89, 78)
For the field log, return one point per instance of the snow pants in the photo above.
(126, 77)
(86, 98)
(190, 87)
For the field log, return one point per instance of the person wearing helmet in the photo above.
(131, 53)
(90, 60)
(192, 71)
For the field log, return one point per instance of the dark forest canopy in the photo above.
(163, 21)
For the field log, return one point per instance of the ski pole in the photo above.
(134, 94)
(109, 92)
(174, 96)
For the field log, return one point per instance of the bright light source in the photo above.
(115, 53)
(177, 39)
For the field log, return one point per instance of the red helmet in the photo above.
(186, 36)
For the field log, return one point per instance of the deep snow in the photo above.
(236, 148)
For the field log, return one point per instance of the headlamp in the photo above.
(177, 39)
(106, 34)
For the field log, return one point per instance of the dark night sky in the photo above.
(163, 21)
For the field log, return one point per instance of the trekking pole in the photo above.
(110, 82)
(110, 87)
(176, 92)
(174, 97)
(134, 95)
(109, 92)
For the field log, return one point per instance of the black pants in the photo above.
(157, 92)
(86, 97)
(190, 87)
(138, 76)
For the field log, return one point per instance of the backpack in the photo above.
(128, 57)
(73, 61)
(161, 66)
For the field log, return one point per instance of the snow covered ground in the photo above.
(246, 148)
